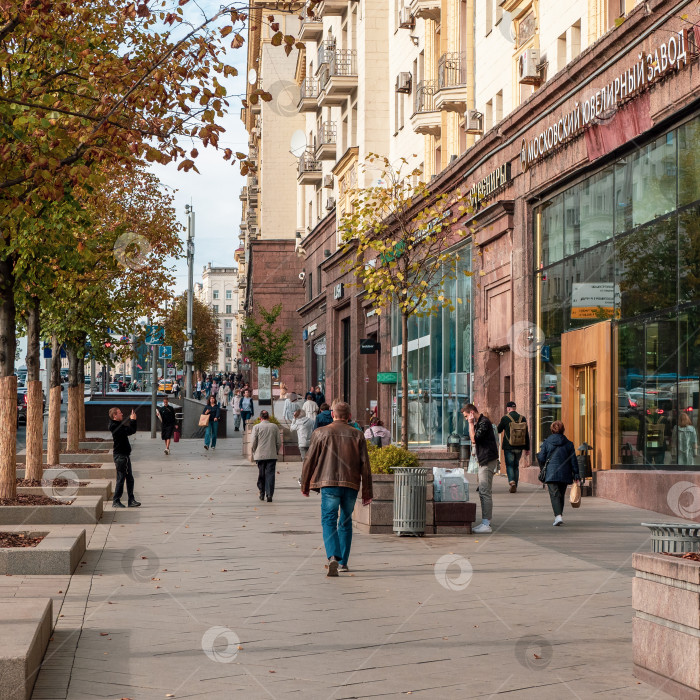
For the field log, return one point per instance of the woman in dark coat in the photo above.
(558, 453)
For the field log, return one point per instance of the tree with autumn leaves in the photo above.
(89, 87)
(398, 235)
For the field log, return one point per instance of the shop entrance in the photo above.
(585, 404)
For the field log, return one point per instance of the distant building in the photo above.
(219, 291)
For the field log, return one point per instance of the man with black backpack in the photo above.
(516, 439)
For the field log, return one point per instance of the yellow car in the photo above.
(165, 386)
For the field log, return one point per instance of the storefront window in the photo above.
(439, 364)
(646, 278)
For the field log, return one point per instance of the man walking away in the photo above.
(337, 464)
(166, 414)
(482, 435)
(246, 407)
(265, 446)
(237, 410)
(325, 417)
(516, 439)
(121, 453)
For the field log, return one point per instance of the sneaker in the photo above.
(213, 447)
(513, 486)
(134, 503)
(118, 504)
(558, 520)
(206, 447)
(262, 495)
(269, 499)
(481, 529)
(332, 567)
(167, 452)
(299, 481)
(344, 568)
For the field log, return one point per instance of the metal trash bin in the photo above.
(676, 538)
(410, 492)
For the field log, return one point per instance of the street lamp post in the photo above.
(189, 348)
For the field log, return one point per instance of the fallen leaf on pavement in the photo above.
(103, 634)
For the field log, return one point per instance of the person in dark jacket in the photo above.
(558, 453)
(325, 417)
(213, 411)
(121, 453)
(512, 454)
(319, 398)
(483, 437)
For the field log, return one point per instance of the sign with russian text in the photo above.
(671, 55)
(594, 300)
(264, 385)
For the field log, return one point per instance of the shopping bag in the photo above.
(176, 434)
(575, 495)
(473, 467)
(204, 420)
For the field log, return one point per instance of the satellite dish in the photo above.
(297, 145)
(252, 76)
(507, 27)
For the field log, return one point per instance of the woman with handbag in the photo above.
(377, 434)
(558, 468)
(210, 419)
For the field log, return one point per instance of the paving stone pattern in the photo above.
(205, 591)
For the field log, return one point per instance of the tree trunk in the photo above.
(404, 380)
(81, 394)
(73, 427)
(53, 442)
(35, 412)
(8, 382)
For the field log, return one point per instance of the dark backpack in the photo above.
(517, 435)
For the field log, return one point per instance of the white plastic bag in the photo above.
(440, 474)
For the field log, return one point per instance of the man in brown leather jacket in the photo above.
(336, 463)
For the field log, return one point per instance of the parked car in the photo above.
(626, 405)
(165, 386)
(22, 405)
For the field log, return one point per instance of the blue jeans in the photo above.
(337, 533)
(513, 464)
(245, 417)
(210, 433)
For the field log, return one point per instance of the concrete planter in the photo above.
(85, 458)
(97, 487)
(666, 626)
(96, 473)
(26, 625)
(83, 510)
(58, 553)
(378, 516)
(288, 453)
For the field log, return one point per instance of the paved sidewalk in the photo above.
(207, 592)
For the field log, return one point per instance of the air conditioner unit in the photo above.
(474, 122)
(328, 182)
(406, 19)
(528, 72)
(330, 203)
(403, 83)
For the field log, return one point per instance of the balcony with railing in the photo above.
(452, 82)
(426, 118)
(311, 27)
(326, 141)
(328, 8)
(426, 9)
(309, 169)
(324, 53)
(308, 95)
(338, 77)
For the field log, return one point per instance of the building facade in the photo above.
(219, 291)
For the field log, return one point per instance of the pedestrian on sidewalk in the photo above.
(166, 414)
(516, 440)
(222, 396)
(237, 410)
(483, 436)
(121, 454)
(319, 398)
(558, 454)
(310, 407)
(324, 417)
(337, 464)
(198, 390)
(266, 443)
(246, 408)
(176, 389)
(290, 406)
(303, 426)
(377, 434)
(212, 410)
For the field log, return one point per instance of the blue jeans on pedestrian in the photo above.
(245, 417)
(513, 464)
(210, 433)
(337, 532)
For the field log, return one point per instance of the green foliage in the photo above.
(265, 344)
(258, 420)
(383, 460)
(629, 424)
(206, 332)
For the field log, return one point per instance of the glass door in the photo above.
(585, 402)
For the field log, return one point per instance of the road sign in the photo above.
(155, 335)
(171, 371)
(166, 352)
